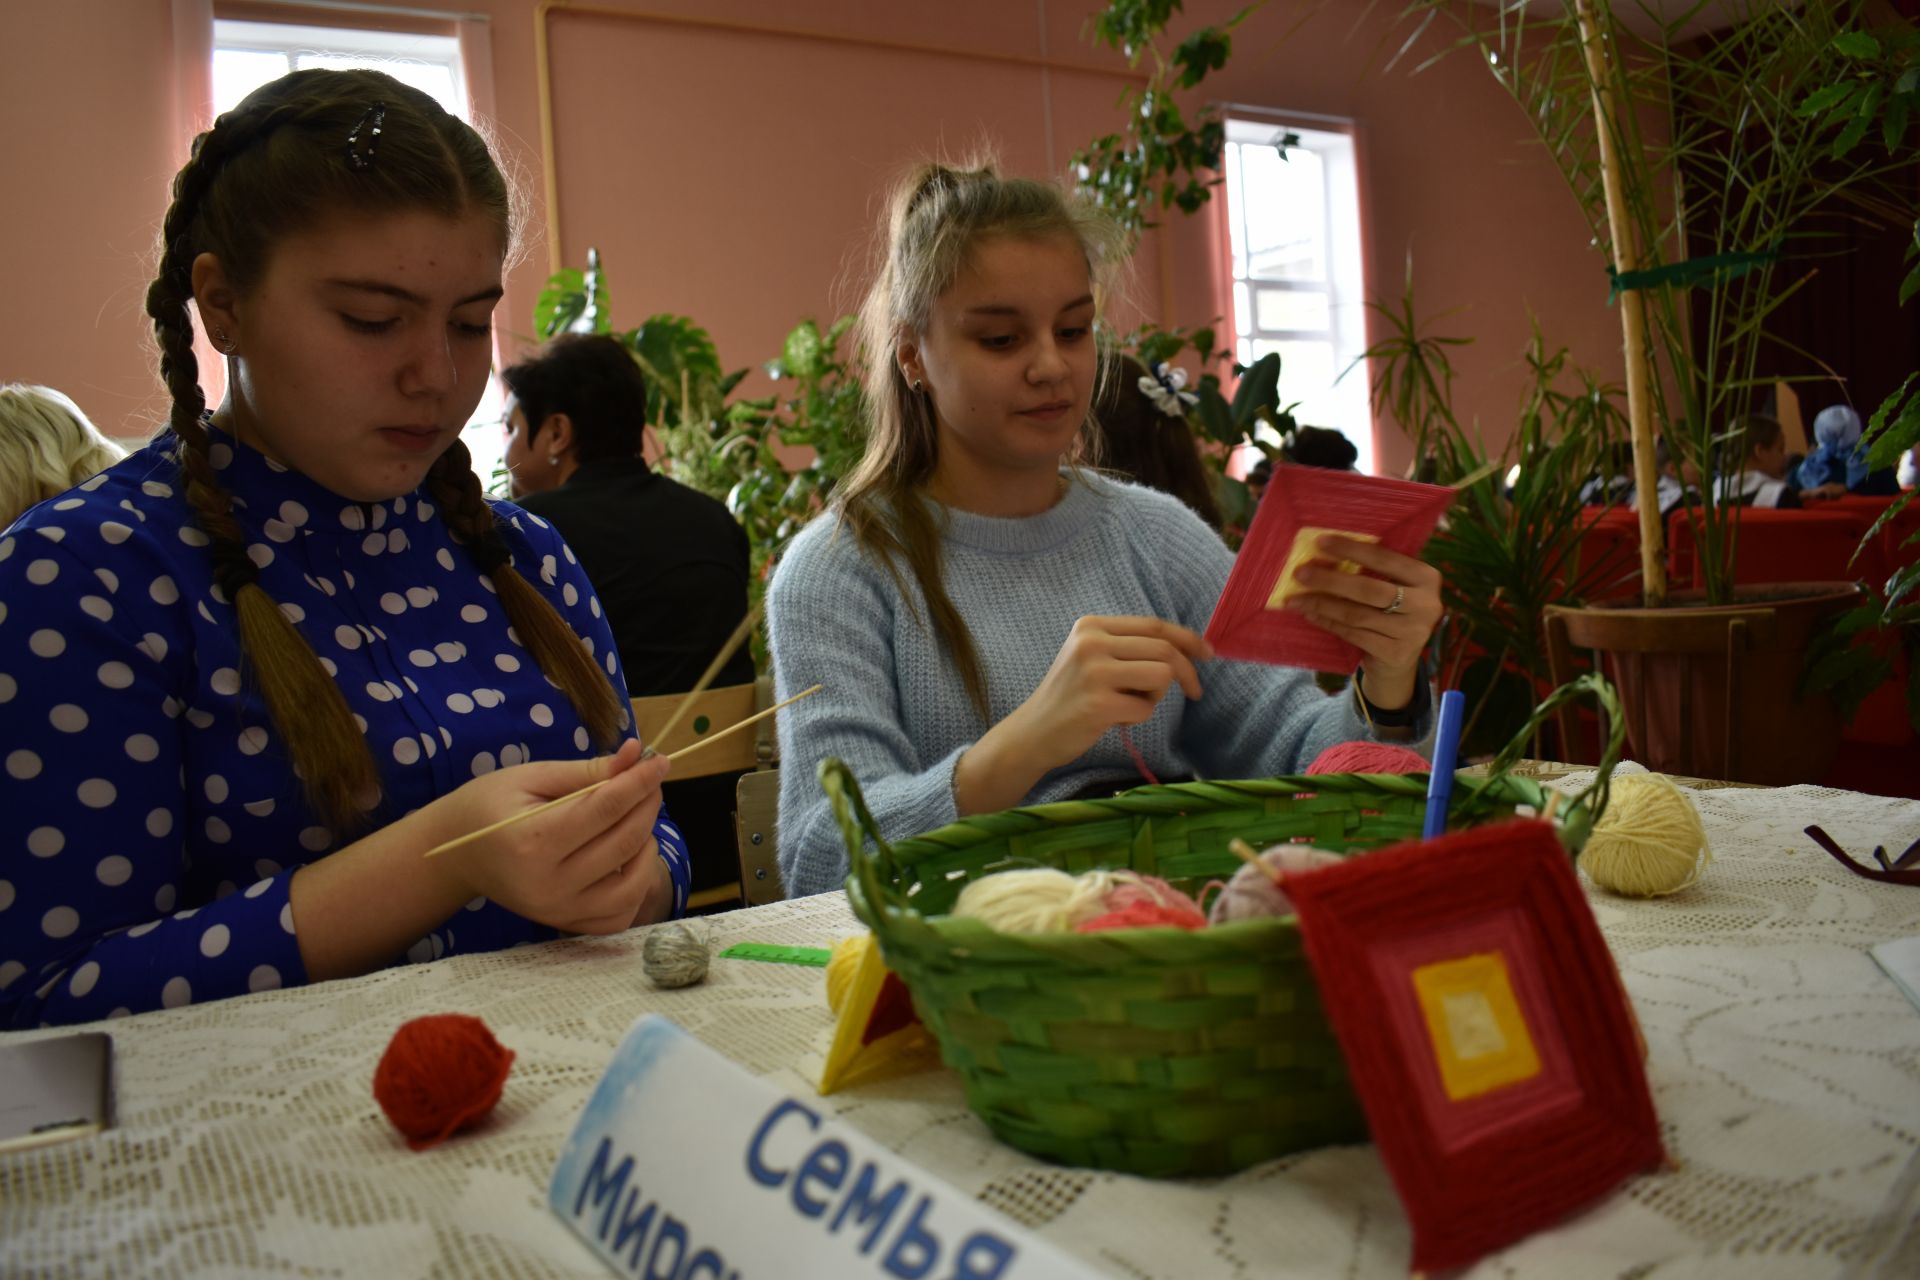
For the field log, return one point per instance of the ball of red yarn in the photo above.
(1369, 757)
(440, 1074)
(1144, 913)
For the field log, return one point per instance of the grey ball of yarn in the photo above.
(1253, 892)
(674, 955)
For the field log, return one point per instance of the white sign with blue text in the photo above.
(686, 1167)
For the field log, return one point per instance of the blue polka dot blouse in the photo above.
(149, 823)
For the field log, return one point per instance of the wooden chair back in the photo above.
(756, 814)
(713, 710)
(717, 708)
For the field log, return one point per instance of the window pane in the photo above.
(1241, 311)
(1306, 371)
(1293, 309)
(238, 72)
(433, 79)
(485, 438)
(1286, 214)
(1236, 206)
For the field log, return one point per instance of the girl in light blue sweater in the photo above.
(996, 627)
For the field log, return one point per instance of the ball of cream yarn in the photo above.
(1649, 842)
(1046, 900)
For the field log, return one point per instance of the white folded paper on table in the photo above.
(1901, 959)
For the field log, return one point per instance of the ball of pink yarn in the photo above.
(1369, 757)
(1145, 913)
(1145, 902)
(1149, 889)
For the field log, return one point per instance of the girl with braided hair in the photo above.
(998, 625)
(253, 672)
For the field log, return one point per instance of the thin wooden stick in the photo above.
(1242, 850)
(591, 787)
(712, 738)
(727, 650)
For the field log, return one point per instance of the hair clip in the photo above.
(359, 152)
(1164, 387)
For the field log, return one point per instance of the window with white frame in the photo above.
(247, 55)
(1293, 209)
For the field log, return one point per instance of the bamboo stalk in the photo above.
(1633, 314)
(592, 787)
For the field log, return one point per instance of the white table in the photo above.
(1786, 1069)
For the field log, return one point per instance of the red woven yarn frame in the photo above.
(1479, 1173)
(1398, 512)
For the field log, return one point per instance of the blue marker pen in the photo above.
(1446, 751)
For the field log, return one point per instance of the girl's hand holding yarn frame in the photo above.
(1388, 612)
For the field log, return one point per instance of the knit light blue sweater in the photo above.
(894, 707)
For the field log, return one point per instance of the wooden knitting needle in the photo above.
(712, 738)
(1242, 850)
(591, 787)
(727, 650)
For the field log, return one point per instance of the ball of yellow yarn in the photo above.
(1649, 842)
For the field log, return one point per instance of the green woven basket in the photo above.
(1153, 1051)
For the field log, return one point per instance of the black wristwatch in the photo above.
(1406, 717)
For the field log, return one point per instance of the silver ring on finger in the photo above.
(1399, 599)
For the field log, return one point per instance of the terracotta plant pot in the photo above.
(1711, 691)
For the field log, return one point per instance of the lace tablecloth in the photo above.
(1785, 1065)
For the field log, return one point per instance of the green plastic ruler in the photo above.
(773, 953)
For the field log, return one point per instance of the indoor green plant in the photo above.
(1510, 546)
(1696, 164)
(1883, 89)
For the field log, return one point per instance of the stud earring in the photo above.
(919, 385)
(225, 344)
(553, 459)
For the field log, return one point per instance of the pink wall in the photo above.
(87, 150)
(730, 169)
(1449, 173)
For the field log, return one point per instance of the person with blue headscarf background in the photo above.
(1839, 462)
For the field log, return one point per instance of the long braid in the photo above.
(312, 717)
(540, 627)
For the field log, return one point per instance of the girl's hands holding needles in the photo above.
(585, 867)
(1111, 671)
